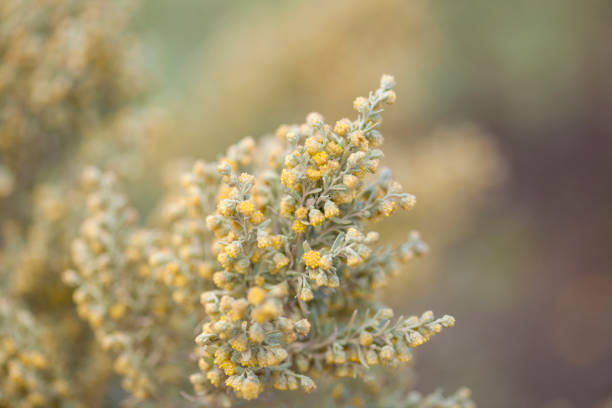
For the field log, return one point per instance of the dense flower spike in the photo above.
(275, 238)
(126, 304)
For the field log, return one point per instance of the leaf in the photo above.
(337, 242)
(341, 221)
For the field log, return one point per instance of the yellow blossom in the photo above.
(280, 260)
(334, 149)
(298, 227)
(320, 158)
(246, 208)
(257, 217)
(316, 217)
(256, 295)
(301, 213)
(311, 259)
(330, 209)
(360, 103)
(312, 144)
(288, 178)
(342, 126)
(233, 249)
(313, 174)
(250, 389)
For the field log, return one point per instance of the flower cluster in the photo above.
(275, 237)
(30, 377)
(129, 310)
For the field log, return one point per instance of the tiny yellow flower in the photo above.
(260, 280)
(366, 339)
(311, 259)
(360, 104)
(226, 207)
(256, 295)
(325, 262)
(312, 144)
(280, 260)
(286, 206)
(257, 217)
(408, 202)
(388, 208)
(313, 174)
(224, 259)
(228, 367)
(239, 343)
(320, 158)
(342, 126)
(298, 227)
(288, 178)
(359, 140)
(232, 250)
(246, 178)
(316, 217)
(277, 241)
(350, 181)
(331, 209)
(314, 119)
(306, 295)
(291, 160)
(334, 149)
(301, 213)
(246, 207)
(264, 241)
(250, 389)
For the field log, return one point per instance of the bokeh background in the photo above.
(502, 129)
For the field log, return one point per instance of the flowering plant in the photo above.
(273, 241)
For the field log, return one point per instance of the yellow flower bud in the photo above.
(256, 295)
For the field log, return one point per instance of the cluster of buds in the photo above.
(250, 317)
(29, 377)
(129, 310)
(376, 340)
(274, 237)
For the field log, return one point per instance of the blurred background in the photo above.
(502, 129)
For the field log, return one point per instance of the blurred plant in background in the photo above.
(68, 78)
(66, 66)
